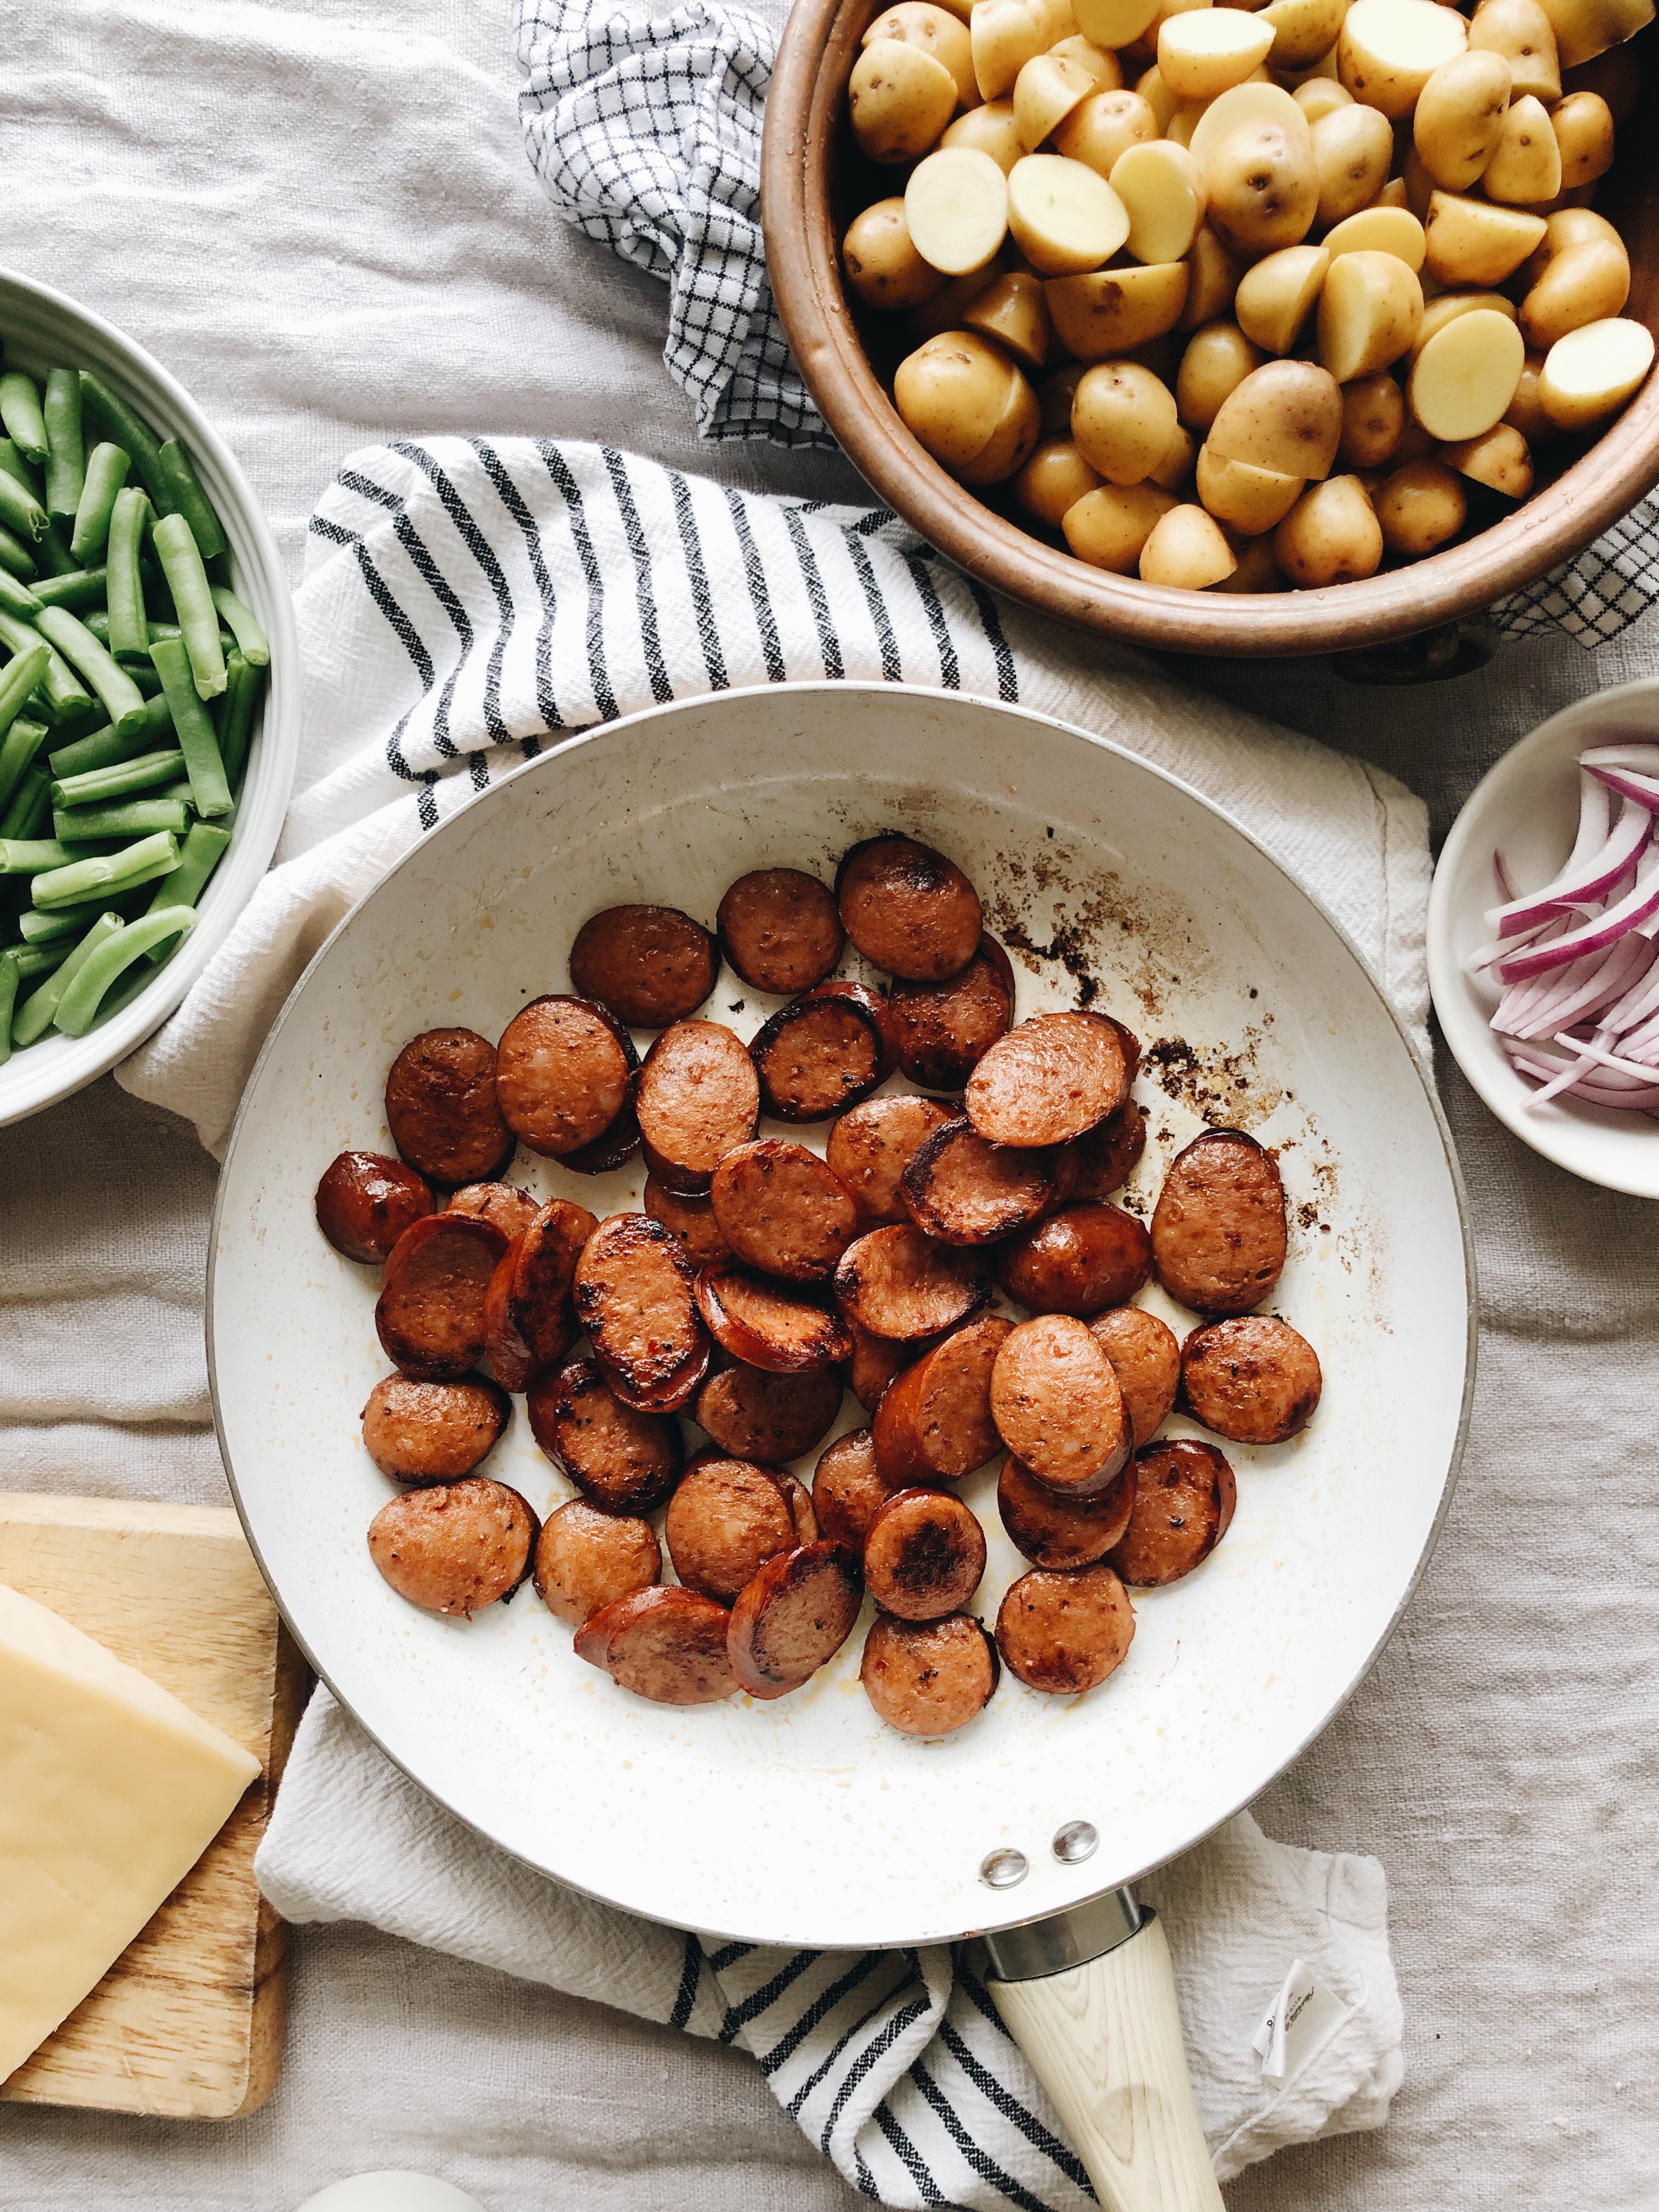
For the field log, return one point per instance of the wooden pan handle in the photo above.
(1104, 2040)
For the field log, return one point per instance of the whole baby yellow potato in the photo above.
(1459, 118)
(883, 269)
(899, 99)
(1373, 418)
(935, 31)
(1331, 536)
(1583, 124)
(1054, 479)
(1122, 419)
(1217, 361)
(1419, 507)
(1581, 285)
(1353, 149)
(1263, 186)
(1101, 129)
(952, 394)
(1109, 527)
(990, 129)
(1287, 416)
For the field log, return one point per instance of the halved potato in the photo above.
(957, 206)
(1521, 32)
(1593, 370)
(1275, 297)
(1583, 124)
(1245, 104)
(937, 32)
(1217, 361)
(1012, 310)
(1186, 550)
(1011, 442)
(1054, 480)
(898, 100)
(1389, 49)
(1108, 528)
(1045, 92)
(1006, 34)
(1158, 97)
(1419, 507)
(1586, 284)
(953, 393)
(1065, 219)
(1100, 129)
(1379, 230)
(1449, 306)
(1331, 536)
(1112, 23)
(1213, 274)
(1205, 52)
(1249, 500)
(1470, 242)
(990, 129)
(1179, 459)
(946, 311)
(1122, 419)
(1287, 416)
(1499, 458)
(1373, 418)
(882, 265)
(1459, 118)
(1103, 65)
(1321, 96)
(1369, 312)
(1526, 412)
(1304, 31)
(1584, 28)
(1160, 186)
(1465, 377)
(1115, 311)
(1525, 168)
(1353, 149)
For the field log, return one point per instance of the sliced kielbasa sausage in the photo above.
(823, 1052)
(691, 1219)
(934, 1423)
(1146, 1360)
(908, 909)
(651, 965)
(764, 1324)
(633, 1293)
(1058, 1408)
(587, 1559)
(1106, 1155)
(1048, 1080)
(1079, 1260)
(698, 1099)
(430, 1314)
(1066, 1632)
(799, 1498)
(564, 1073)
(442, 1109)
(726, 1519)
(538, 1290)
(511, 1359)
(1219, 1234)
(1255, 1380)
(963, 1190)
(1184, 1499)
(779, 930)
(783, 1210)
(511, 1209)
(772, 1418)
(874, 1363)
(365, 1201)
(871, 1145)
(611, 1149)
(924, 1555)
(898, 1284)
(622, 1460)
(944, 1030)
(455, 1547)
(664, 1643)
(1062, 1532)
(792, 1617)
(928, 1677)
(432, 1432)
(848, 1491)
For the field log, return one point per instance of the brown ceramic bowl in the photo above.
(813, 181)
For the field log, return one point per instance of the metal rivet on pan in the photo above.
(1002, 1869)
(1077, 1841)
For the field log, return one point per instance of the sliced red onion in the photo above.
(1590, 1050)
(1500, 948)
(1643, 758)
(1642, 789)
(1641, 999)
(1611, 974)
(1603, 929)
(1595, 825)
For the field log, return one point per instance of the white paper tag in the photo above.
(1300, 2018)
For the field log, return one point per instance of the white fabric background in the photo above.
(323, 223)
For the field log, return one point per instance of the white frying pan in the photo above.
(806, 1821)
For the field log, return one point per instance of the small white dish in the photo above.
(1527, 808)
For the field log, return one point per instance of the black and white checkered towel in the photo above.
(645, 132)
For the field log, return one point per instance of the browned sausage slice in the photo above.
(928, 1677)
(1218, 1235)
(1064, 1633)
(611, 1149)
(1048, 1080)
(799, 1498)
(691, 1219)
(664, 1643)
(511, 1360)
(511, 1209)
(587, 1559)
(1185, 1494)
(651, 965)
(564, 1072)
(1057, 1406)
(934, 1424)
(875, 1361)
(944, 1030)
(779, 930)
(766, 1326)
(908, 909)
(897, 1283)
(634, 1296)
(543, 1274)
(430, 1314)
(432, 1432)
(871, 1145)
(1062, 1532)
(1107, 1154)
(697, 1098)
(964, 1190)
(848, 1491)
(782, 1209)
(792, 1617)
(1079, 1260)
(455, 1547)
(724, 1520)
(442, 1109)
(365, 1201)
(1146, 1360)
(772, 1418)
(924, 1555)
(1256, 1381)
(622, 1460)
(823, 1052)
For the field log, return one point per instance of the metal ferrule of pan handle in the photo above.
(1067, 1939)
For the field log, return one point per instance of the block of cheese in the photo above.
(110, 1791)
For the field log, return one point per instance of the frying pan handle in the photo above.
(1104, 2040)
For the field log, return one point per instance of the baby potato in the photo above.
(1369, 312)
(1053, 480)
(1213, 272)
(945, 313)
(1331, 536)
(1160, 186)
(1056, 398)
(1217, 361)
(1275, 296)
(1449, 306)
(1322, 96)
(1470, 242)
(883, 268)
(1525, 412)
(1614, 76)
(1465, 377)
(1158, 97)
(1585, 284)
(1012, 310)
(1186, 550)
(1526, 163)
(1065, 218)
(1459, 118)
(1122, 419)
(1593, 370)
(1257, 571)
(957, 206)
(1373, 417)
(1101, 64)
(1246, 104)
(1287, 416)
(1116, 311)
(1304, 31)
(1207, 50)
(1389, 49)
(1045, 92)
(935, 31)
(1108, 528)
(1263, 184)
(990, 128)
(1583, 124)
(1249, 500)
(1101, 130)
(1584, 28)
(1353, 147)
(1419, 507)
(1393, 230)
(1112, 23)
(1010, 441)
(1521, 32)
(953, 393)
(1499, 459)
(1004, 35)
(1180, 458)
(898, 100)
(1567, 227)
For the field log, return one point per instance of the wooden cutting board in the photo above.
(188, 2022)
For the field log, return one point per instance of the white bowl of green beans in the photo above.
(149, 696)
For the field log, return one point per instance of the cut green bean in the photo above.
(98, 787)
(244, 626)
(20, 411)
(122, 700)
(199, 618)
(37, 959)
(199, 856)
(82, 1000)
(37, 928)
(24, 736)
(187, 497)
(15, 556)
(60, 687)
(106, 472)
(19, 682)
(197, 739)
(85, 587)
(11, 976)
(14, 465)
(98, 622)
(66, 454)
(33, 856)
(30, 809)
(128, 626)
(243, 685)
(55, 557)
(110, 873)
(20, 510)
(111, 417)
(134, 817)
(106, 747)
(16, 598)
(38, 1012)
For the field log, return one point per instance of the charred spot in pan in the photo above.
(1069, 945)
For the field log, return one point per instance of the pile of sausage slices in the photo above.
(761, 1278)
